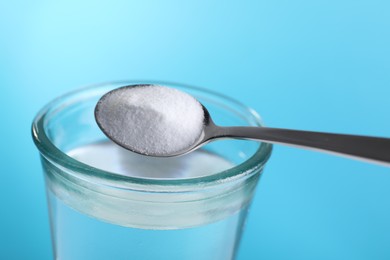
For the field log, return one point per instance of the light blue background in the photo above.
(313, 65)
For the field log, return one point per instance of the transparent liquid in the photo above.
(79, 236)
(113, 158)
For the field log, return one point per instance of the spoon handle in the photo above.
(374, 149)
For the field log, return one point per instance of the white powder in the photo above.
(152, 120)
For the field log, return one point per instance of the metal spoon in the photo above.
(374, 149)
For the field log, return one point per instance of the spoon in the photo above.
(373, 149)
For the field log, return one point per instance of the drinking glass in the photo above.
(99, 214)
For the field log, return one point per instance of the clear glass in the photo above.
(97, 214)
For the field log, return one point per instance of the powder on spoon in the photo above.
(150, 119)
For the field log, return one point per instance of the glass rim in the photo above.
(95, 175)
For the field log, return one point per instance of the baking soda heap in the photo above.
(150, 119)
